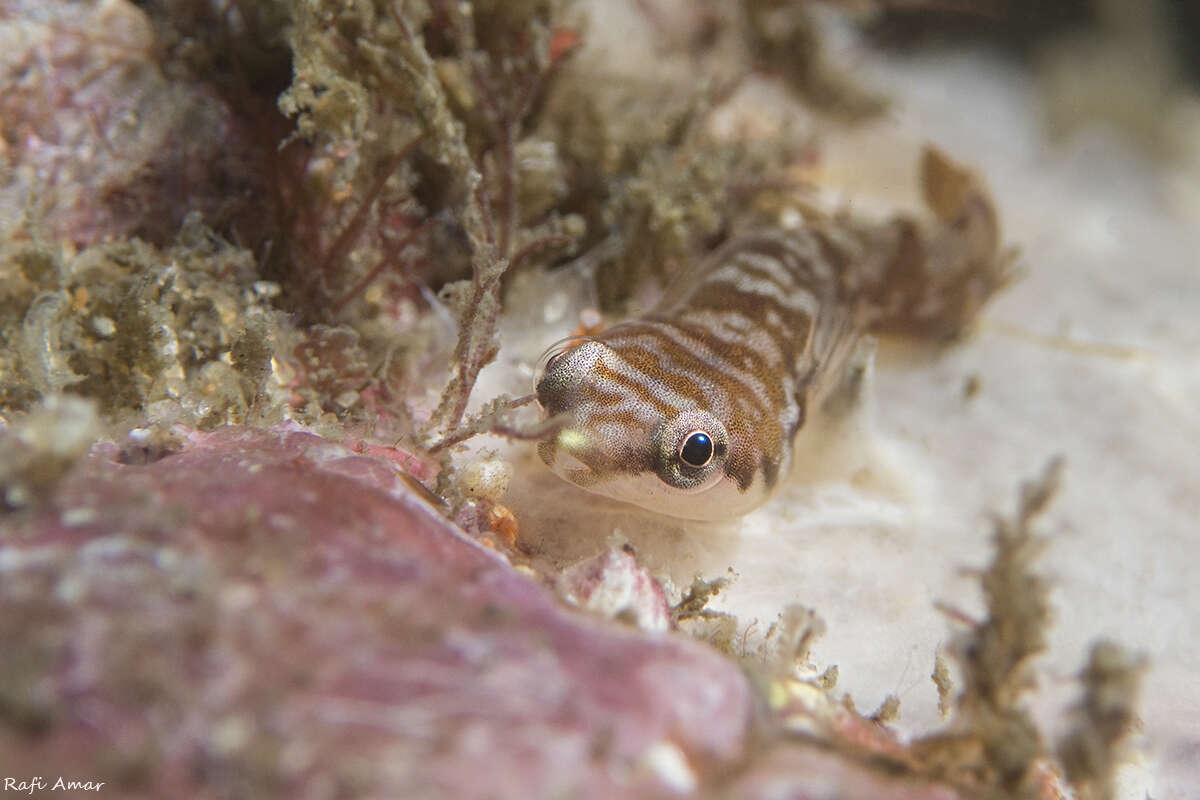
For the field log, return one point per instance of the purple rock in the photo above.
(266, 613)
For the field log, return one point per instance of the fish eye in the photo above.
(696, 449)
(690, 450)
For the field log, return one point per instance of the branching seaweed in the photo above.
(1093, 749)
(494, 418)
(695, 600)
(492, 235)
(994, 748)
(368, 72)
(997, 652)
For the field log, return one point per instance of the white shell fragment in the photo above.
(486, 478)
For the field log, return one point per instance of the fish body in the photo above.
(692, 409)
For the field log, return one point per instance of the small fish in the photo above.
(691, 410)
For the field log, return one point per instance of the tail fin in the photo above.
(931, 278)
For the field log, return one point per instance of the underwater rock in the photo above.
(266, 612)
(102, 141)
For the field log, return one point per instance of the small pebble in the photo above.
(104, 327)
(487, 478)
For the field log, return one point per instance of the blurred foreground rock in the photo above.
(99, 140)
(264, 613)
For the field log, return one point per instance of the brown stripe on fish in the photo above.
(653, 365)
(726, 383)
(753, 374)
(752, 405)
(784, 323)
(643, 390)
(598, 395)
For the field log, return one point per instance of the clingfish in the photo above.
(692, 409)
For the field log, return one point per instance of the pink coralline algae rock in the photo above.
(811, 774)
(97, 141)
(265, 613)
(614, 585)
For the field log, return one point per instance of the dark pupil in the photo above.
(697, 449)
